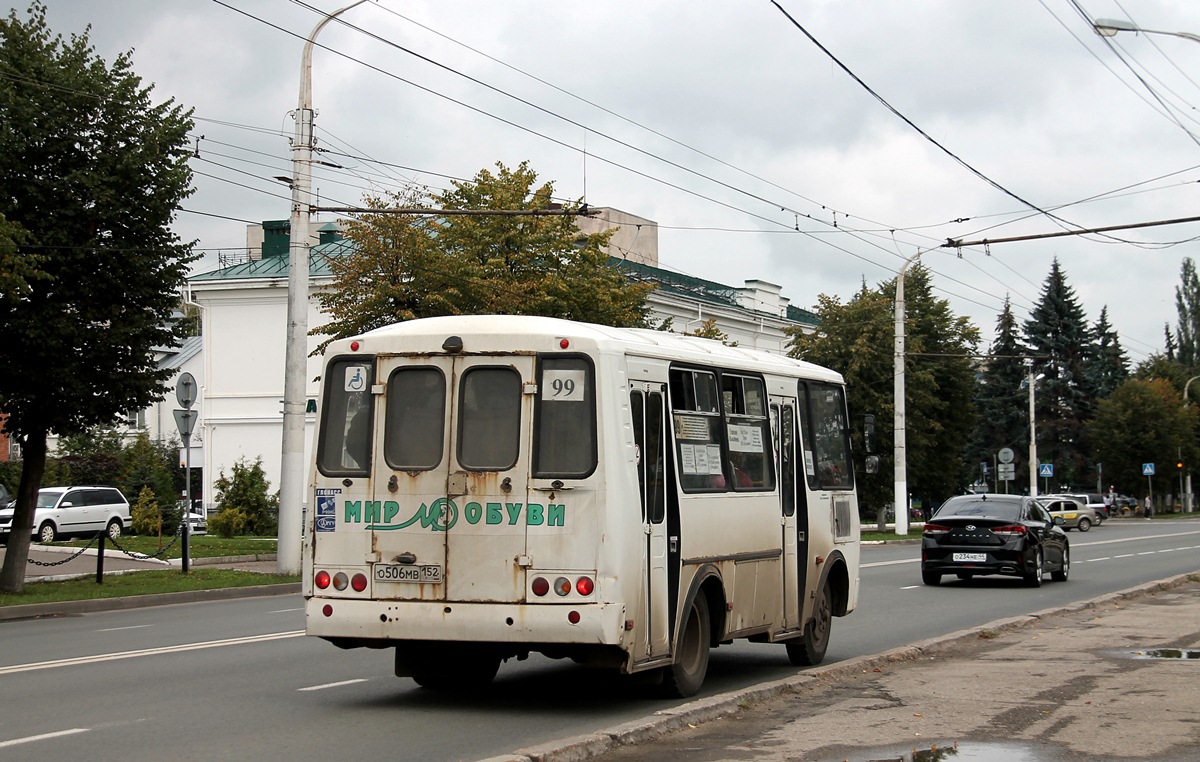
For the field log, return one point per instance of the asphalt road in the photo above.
(235, 679)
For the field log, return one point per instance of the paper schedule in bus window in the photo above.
(745, 438)
(692, 427)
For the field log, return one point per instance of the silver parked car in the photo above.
(73, 510)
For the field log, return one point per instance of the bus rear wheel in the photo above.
(809, 648)
(685, 676)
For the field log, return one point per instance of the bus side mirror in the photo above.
(871, 465)
(869, 436)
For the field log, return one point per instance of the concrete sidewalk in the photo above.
(1115, 678)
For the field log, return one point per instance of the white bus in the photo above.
(490, 486)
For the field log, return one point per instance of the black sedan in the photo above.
(1013, 535)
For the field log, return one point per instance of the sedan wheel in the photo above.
(1062, 574)
(931, 578)
(1034, 578)
(1085, 525)
(47, 533)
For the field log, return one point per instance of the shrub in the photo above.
(228, 522)
(147, 518)
(247, 490)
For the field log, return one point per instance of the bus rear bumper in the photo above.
(598, 623)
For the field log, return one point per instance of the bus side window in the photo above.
(697, 425)
(828, 461)
(747, 433)
(489, 424)
(347, 413)
(647, 413)
(415, 421)
(565, 419)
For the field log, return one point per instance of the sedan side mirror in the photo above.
(1058, 521)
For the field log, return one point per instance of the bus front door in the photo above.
(452, 479)
(783, 421)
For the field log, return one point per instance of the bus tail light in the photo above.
(340, 581)
(585, 585)
(562, 586)
(359, 582)
(540, 586)
(322, 579)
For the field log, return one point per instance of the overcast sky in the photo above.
(762, 146)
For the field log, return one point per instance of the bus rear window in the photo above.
(489, 428)
(414, 427)
(348, 408)
(565, 419)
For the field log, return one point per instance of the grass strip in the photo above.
(199, 546)
(139, 583)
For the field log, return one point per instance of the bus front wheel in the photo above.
(685, 676)
(809, 648)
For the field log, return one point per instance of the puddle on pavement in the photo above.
(1166, 653)
(954, 752)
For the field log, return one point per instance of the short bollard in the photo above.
(100, 561)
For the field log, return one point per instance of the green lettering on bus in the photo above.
(374, 511)
(494, 513)
(390, 509)
(354, 511)
(473, 511)
(514, 512)
(557, 515)
(535, 514)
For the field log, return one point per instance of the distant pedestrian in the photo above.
(1148, 507)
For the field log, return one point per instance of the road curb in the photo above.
(591, 745)
(70, 608)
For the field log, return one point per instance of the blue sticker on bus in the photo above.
(326, 516)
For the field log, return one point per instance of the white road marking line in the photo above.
(1147, 552)
(891, 563)
(911, 587)
(1101, 558)
(42, 737)
(131, 627)
(1124, 555)
(333, 685)
(148, 652)
(284, 611)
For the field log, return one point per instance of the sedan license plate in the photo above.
(971, 558)
(418, 573)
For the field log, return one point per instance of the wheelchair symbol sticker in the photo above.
(356, 378)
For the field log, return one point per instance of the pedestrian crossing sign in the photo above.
(1046, 469)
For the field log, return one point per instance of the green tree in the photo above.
(1002, 421)
(245, 495)
(143, 466)
(1106, 365)
(856, 339)
(1186, 345)
(1143, 421)
(93, 172)
(1058, 337)
(411, 266)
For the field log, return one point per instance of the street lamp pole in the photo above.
(900, 451)
(1033, 456)
(295, 396)
(1110, 27)
(1187, 488)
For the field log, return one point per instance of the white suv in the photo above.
(74, 510)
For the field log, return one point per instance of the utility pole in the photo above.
(295, 383)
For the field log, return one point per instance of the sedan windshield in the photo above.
(1010, 510)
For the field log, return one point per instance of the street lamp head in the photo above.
(1110, 27)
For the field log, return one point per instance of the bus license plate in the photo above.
(419, 573)
(973, 558)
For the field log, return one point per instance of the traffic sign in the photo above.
(1006, 455)
(1006, 472)
(1147, 469)
(1046, 469)
(185, 390)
